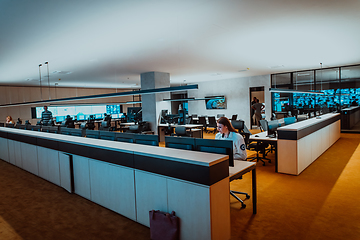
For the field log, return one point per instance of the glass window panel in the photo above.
(281, 80)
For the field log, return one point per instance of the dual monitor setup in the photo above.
(224, 147)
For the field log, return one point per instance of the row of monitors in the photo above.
(82, 117)
(58, 111)
(224, 147)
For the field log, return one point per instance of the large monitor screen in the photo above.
(82, 112)
(217, 102)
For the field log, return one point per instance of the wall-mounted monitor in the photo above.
(215, 102)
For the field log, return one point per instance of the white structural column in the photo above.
(152, 104)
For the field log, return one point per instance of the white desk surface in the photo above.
(239, 166)
(350, 108)
(262, 136)
(172, 154)
(307, 123)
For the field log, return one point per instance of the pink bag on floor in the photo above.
(163, 226)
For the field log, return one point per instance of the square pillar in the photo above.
(152, 104)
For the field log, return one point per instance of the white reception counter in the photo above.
(301, 143)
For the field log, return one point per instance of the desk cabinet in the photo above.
(301, 144)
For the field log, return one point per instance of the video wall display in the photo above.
(331, 99)
(215, 102)
(82, 113)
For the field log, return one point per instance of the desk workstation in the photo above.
(197, 129)
(298, 144)
(133, 179)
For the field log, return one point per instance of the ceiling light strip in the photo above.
(109, 95)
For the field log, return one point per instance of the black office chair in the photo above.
(220, 115)
(181, 131)
(234, 117)
(212, 124)
(238, 125)
(202, 120)
(260, 148)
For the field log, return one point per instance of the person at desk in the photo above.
(46, 116)
(228, 132)
(9, 119)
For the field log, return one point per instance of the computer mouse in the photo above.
(256, 135)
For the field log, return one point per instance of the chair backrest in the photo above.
(264, 125)
(238, 125)
(186, 143)
(220, 115)
(202, 120)
(212, 121)
(180, 131)
(234, 117)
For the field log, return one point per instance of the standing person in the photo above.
(258, 107)
(228, 132)
(46, 116)
(9, 119)
(252, 111)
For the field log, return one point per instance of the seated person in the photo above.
(9, 120)
(228, 132)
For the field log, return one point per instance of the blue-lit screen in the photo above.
(216, 103)
(81, 112)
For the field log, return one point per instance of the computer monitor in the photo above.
(147, 139)
(98, 116)
(115, 116)
(187, 143)
(81, 117)
(60, 119)
(216, 146)
(289, 120)
(92, 133)
(106, 135)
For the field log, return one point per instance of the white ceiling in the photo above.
(92, 43)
